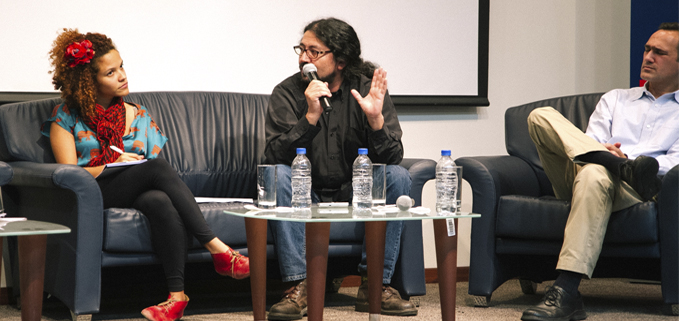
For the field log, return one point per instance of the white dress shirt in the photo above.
(642, 124)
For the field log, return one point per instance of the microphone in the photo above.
(310, 72)
(404, 202)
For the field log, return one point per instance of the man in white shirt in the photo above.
(632, 137)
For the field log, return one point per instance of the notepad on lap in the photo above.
(130, 163)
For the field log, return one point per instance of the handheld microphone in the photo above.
(404, 202)
(310, 72)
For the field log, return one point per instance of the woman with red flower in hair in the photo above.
(93, 127)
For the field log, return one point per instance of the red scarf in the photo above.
(109, 124)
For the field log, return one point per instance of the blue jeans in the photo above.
(289, 237)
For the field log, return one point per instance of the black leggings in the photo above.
(155, 189)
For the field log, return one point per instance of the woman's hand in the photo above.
(128, 157)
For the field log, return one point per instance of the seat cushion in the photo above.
(127, 230)
(532, 218)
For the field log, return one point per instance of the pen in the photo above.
(116, 149)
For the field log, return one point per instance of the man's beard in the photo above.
(329, 78)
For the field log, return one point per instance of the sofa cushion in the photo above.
(215, 140)
(127, 230)
(523, 217)
(346, 232)
(20, 137)
(575, 108)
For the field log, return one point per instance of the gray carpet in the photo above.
(605, 299)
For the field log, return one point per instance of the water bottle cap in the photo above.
(445, 152)
(301, 150)
(363, 151)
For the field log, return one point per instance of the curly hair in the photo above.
(342, 40)
(78, 84)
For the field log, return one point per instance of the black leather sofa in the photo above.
(520, 232)
(216, 139)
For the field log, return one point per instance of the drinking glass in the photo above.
(2, 207)
(458, 190)
(266, 186)
(379, 191)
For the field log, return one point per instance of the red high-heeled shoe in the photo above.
(169, 310)
(232, 263)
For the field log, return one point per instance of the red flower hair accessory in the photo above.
(79, 53)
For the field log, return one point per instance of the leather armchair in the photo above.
(520, 232)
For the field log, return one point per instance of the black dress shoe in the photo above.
(557, 305)
(642, 175)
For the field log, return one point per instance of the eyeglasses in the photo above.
(312, 53)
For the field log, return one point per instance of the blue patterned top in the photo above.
(145, 138)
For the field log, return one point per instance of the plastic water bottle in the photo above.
(446, 185)
(301, 180)
(362, 180)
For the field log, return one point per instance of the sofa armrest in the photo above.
(421, 171)
(67, 195)
(491, 177)
(6, 173)
(668, 221)
(57, 176)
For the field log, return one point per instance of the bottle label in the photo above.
(446, 192)
(450, 224)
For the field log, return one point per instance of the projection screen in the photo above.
(435, 51)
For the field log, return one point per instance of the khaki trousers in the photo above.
(594, 193)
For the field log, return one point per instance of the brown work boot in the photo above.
(392, 304)
(293, 304)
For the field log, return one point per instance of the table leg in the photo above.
(446, 260)
(375, 232)
(317, 240)
(32, 250)
(255, 230)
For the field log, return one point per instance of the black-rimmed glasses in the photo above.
(312, 53)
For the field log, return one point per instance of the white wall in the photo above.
(538, 49)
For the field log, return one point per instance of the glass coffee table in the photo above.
(318, 221)
(32, 237)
